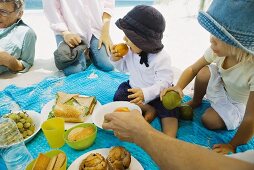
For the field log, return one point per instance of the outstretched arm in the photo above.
(167, 152)
(245, 131)
(187, 76)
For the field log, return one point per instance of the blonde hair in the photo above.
(242, 56)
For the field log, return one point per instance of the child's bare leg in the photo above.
(148, 111)
(169, 126)
(200, 87)
(212, 120)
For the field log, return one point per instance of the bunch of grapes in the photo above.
(24, 123)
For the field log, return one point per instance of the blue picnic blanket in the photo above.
(103, 85)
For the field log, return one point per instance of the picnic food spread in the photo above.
(73, 107)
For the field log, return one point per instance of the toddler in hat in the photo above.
(147, 63)
(225, 73)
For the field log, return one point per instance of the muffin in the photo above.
(94, 161)
(122, 49)
(119, 158)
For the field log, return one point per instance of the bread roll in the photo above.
(80, 133)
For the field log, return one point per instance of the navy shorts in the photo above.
(122, 95)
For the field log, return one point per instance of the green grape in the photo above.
(13, 117)
(21, 130)
(32, 128)
(21, 114)
(18, 118)
(24, 134)
(27, 125)
(29, 120)
(22, 120)
(19, 125)
(29, 132)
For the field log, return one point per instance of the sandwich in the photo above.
(73, 107)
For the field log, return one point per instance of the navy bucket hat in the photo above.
(232, 21)
(144, 26)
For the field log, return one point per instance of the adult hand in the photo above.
(174, 88)
(224, 148)
(137, 96)
(71, 39)
(105, 38)
(127, 126)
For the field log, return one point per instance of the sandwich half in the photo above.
(72, 107)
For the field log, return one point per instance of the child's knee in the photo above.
(212, 123)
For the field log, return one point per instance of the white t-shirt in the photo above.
(238, 80)
(153, 79)
(83, 17)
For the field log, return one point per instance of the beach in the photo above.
(184, 39)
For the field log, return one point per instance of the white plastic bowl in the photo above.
(98, 115)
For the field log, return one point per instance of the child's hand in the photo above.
(137, 96)
(174, 88)
(224, 148)
(115, 56)
(71, 39)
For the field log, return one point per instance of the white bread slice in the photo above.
(88, 102)
(52, 163)
(64, 97)
(59, 161)
(69, 113)
(41, 162)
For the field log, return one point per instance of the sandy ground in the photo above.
(184, 39)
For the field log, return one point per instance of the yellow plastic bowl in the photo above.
(83, 143)
(50, 154)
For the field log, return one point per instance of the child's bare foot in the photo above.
(148, 112)
(149, 116)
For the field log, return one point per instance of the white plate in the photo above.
(36, 117)
(48, 108)
(98, 115)
(135, 165)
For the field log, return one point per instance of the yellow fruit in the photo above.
(171, 100)
(122, 109)
(186, 112)
(122, 49)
